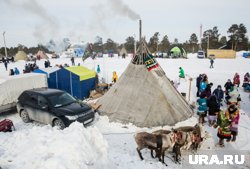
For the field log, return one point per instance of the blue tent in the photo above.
(246, 54)
(76, 80)
(79, 52)
(52, 76)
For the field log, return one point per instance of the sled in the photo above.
(6, 125)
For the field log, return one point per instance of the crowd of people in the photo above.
(210, 105)
(30, 67)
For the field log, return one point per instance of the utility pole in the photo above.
(208, 41)
(200, 36)
(5, 45)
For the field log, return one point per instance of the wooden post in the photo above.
(189, 90)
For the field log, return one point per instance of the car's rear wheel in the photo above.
(25, 116)
(59, 123)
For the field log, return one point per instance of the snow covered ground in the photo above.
(111, 145)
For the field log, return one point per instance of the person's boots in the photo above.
(200, 120)
(234, 138)
(210, 123)
(203, 121)
(221, 142)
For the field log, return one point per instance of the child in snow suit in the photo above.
(202, 108)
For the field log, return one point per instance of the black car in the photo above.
(54, 107)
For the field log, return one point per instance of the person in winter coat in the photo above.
(228, 86)
(247, 88)
(205, 78)
(73, 61)
(213, 109)
(12, 73)
(207, 90)
(233, 115)
(17, 72)
(98, 70)
(211, 63)
(224, 128)
(198, 82)
(246, 80)
(203, 85)
(5, 61)
(202, 108)
(219, 94)
(236, 79)
(234, 96)
(115, 77)
(181, 73)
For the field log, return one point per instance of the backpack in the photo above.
(6, 125)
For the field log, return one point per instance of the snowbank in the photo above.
(45, 147)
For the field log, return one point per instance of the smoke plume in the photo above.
(119, 7)
(48, 25)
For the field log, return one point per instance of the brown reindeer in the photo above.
(158, 142)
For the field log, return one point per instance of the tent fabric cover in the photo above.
(144, 98)
(83, 72)
(21, 55)
(176, 50)
(77, 80)
(12, 86)
(42, 55)
(51, 73)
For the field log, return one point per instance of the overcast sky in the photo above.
(30, 22)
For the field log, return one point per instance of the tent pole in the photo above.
(189, 90)
(140, 30)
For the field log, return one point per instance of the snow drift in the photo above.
(45, 147)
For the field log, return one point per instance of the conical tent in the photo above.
(144, 95)
(21, 55)
(123, 51)
(41, 55)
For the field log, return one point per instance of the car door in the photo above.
(30, 106)
(43, 110)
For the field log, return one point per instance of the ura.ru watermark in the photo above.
(215, 160)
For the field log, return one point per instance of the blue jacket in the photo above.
(203, 86)
(219, 94)
(16, 71)
(202, 102)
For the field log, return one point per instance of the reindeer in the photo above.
(158, 142)
(189, 136)
(176, 147)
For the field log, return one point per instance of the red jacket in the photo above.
(236, 79)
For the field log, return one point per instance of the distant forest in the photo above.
(211, 39)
